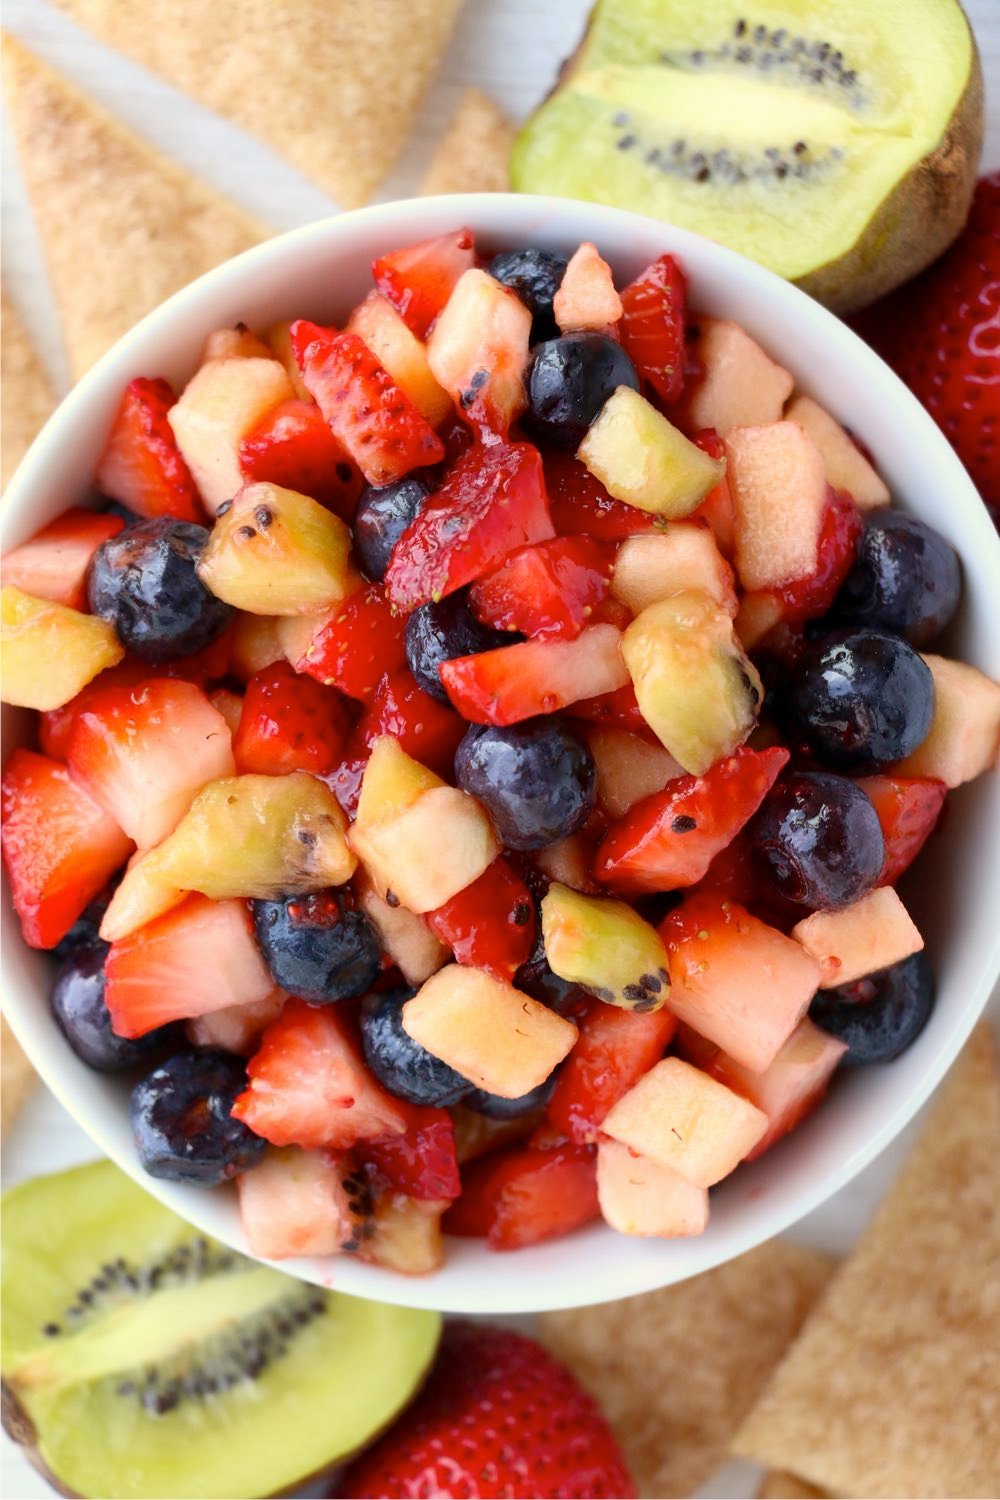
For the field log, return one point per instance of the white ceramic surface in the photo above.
(319, 272)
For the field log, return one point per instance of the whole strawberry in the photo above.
(941, 334)
(498, 1417)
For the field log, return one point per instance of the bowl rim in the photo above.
(402, 220)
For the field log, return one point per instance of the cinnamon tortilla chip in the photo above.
(472, 155)
(26, 397)
(331, 85)
(17, 1077)
(122, 228)
(778, 1484)
(676, 1371)
(893, 1387)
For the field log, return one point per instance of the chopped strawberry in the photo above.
(908, 809)
(292, 445)
(59, 845)
(534, 677)
(309, 1085)
(518, 1197)
(580, 505)
(669, 840)
(54, 564)
(355, 643)
(143, 752)
(492, 502)
(620, 708)
(614, 1049)
(419, 279)
(839, 537)
(142, 467)
(652, 326)
(209, 664)
(199, 957)
(718, 507)
(421, 1162)
(426, 729)
(491, 924)
(547, 591)
(290, 723)
(369, 415)
(734, 874)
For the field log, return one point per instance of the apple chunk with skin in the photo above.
(644, 460)
(639, 1197)
(498, 1038)
(217, 408)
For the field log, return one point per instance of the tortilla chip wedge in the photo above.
(122, 227)
(27, 396)
(893, 1387)
(779, 1485)
(331, 85)
(471, 156)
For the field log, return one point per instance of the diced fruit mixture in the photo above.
(475, 755)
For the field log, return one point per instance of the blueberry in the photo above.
(316, 947)
(439, 632)
(570, 380)
(535, 275)
(381, 517)
(494, 1107)
(878, 1017)
(85, 931)
(862, 699)
(399, 1063)
(906, 579)
(181, 1120)
(818, 838)
(539, 980)
(84, 1019)
(144, 580)
(537, 779)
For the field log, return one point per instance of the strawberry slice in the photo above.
(292, 445)
(669, 840)
(580, 505)
(519, 1197)
(534, 677)
(613, 1051)
(908, 809)
(840, 535)
(718, 507)
(491, 924)
(426, 729)
(652, 326)
(547, 591)
(620, 708)
(368, 414)
(53, 565)
(143, 752)
(290, 723)
(490, 503)
(419, 279)
(355, 643)
(309, 1085)
(142, 467)
(59, 845)
(421, 1162)
(199, 957)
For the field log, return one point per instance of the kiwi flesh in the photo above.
(835, 141)
(141, 1358)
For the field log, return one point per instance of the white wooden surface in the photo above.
(511, 48)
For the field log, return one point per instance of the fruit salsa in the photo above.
(476, 749)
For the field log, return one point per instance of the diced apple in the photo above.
(757, 616)
(643, 459)
(294, 1202)
(406, 1234)
(779, 488)
(742, 386)
(49, 652)
(628, 768)
(637, 1196)
(569, 861)
(256, 644)
(497, 1037)
(400, 352)
(586, 297)
(685, 1121)
(429, 852)
(535, 677)
(275, 552)
(237, 342)
(219, 406)
(279, 337)
(236, 1028)
(479, 347)
(860, 939)
(406, 937)
(683, 557)
(964, 738)
(393, 781)
(845, 464)
(697, 690)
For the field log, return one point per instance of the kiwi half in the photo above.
(835, 141)
(141, 1358)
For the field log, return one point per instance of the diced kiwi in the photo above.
(605, 947)
(834, 142)
(643, 459)
(49, 652)
(141, 1358)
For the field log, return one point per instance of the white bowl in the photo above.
(320, 272)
